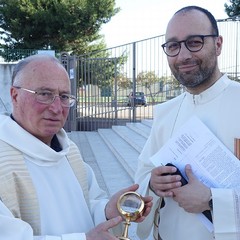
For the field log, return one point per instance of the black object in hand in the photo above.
(206, 213)
(183, 180)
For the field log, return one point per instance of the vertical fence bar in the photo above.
(237, 56)
(134, 82)
(115, 102)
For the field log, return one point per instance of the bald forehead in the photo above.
(43, 73)
(32, 60)
(38, 64)
(43, 64)
(192, 22)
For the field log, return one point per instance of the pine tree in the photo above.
(233, 9)
(61, 25)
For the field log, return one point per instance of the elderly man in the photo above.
(46, 190)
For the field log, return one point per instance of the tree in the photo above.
(123, 81)
(61, 25)
(147, 79)
(98, 68)
(233, 9)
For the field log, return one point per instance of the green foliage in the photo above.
(62, 25)
(147, 78)
(14, 55)
(99, 69)
(233, 9)
(123, 81)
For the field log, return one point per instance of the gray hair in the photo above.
(23, 63)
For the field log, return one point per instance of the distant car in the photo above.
(138, 99)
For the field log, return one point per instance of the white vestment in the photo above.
(64, 213)
(218, 108)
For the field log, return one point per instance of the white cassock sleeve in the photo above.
(12, 228)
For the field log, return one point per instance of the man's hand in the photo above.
(162, 182)
(194, 196)
(101, 231)
(111, 210)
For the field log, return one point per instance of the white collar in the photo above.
(16, 136)
(210, 93)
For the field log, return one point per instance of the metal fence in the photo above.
(122, 84)
(109, 84)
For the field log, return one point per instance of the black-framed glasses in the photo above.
(48, 97)
(193, 43)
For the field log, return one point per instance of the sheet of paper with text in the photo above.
(194, 144)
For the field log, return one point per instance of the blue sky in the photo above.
(141, 19)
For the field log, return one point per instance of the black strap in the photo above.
(208, 215)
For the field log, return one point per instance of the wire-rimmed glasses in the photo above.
(193, 43)
(48, 97)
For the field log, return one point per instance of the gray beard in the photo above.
(195, 79)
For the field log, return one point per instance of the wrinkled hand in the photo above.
(100, 232)
(111, 210)
(162, 183)
(194, 196)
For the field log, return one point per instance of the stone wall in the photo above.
(5, 84)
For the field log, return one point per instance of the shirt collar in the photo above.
(210, 93)
(55, 144)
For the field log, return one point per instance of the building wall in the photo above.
(6, 70)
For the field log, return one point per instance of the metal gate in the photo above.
(110, 90)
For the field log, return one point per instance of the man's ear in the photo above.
(14, 94)
(219, 42)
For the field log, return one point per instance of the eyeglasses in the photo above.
(48, 97)
(193, 44)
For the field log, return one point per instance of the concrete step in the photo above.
(113, 153)
(131, 137)
(108, 170)
(140, 128)
(114, 174)
(147, 122)
(81, 140)
(122, 150)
